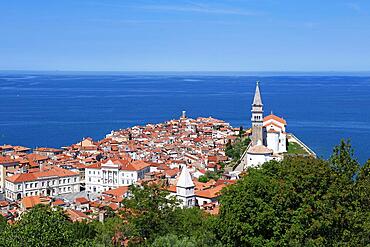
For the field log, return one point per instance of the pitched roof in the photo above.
(211, 192)
(257, 96)
(52, 171)
(7, 160)
(30, 201)
(259, 149)
(81, 200)
(185, 180)
(58, 202)
(76, 215)
(124, 164)
(22, 177)
(117, 192)
(274, 117)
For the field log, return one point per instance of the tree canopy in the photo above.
(299, 202)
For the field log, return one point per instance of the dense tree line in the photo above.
(299, 201)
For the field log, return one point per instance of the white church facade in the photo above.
(269, 138)
(185, 189)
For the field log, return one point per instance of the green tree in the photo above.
(41, 226)
(150, 212)
(203, 179)
(106, 231)
(299, 202)
(173, 241)
(3, 223)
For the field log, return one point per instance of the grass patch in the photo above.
(295, 148)
(236, 150)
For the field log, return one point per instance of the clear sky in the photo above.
(176, 35)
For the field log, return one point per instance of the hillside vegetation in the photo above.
(299, 201)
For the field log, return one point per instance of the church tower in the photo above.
(257, 118)
(185, 188)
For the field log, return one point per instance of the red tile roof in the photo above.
(81, 200)
(76, 215)
(211, 192)
(117, 192)
(30, 201)
(274, 117)
(47, 172)
(58, 202)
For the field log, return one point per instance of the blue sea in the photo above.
(58, 109)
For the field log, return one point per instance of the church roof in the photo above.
(185, 180)
(257, 96)
(274, 117)
(259, 149)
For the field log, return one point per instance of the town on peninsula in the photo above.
(194, 159)
(141, 185)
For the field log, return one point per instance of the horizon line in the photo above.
(247, 72)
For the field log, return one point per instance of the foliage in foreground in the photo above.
(300, 202)
(296, 202)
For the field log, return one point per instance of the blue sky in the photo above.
(157, 35)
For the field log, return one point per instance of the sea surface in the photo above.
(58, 109)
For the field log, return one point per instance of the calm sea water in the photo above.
(57, 110)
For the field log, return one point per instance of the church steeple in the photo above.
(257, 101)
(257, 117)
(185, 188)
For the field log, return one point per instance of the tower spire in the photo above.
(257, 96)
(257, 117)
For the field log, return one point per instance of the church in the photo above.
(268, 139)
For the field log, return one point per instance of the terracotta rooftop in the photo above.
(81, 200)
(259, 149)
(211, 192)
(47, 172)
(274, 117)
(76, 215)
(117, 192)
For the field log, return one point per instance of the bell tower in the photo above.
(257, 117)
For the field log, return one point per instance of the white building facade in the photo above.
(185, 189)
(50, 181)
(274, 133)
(111, 174)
